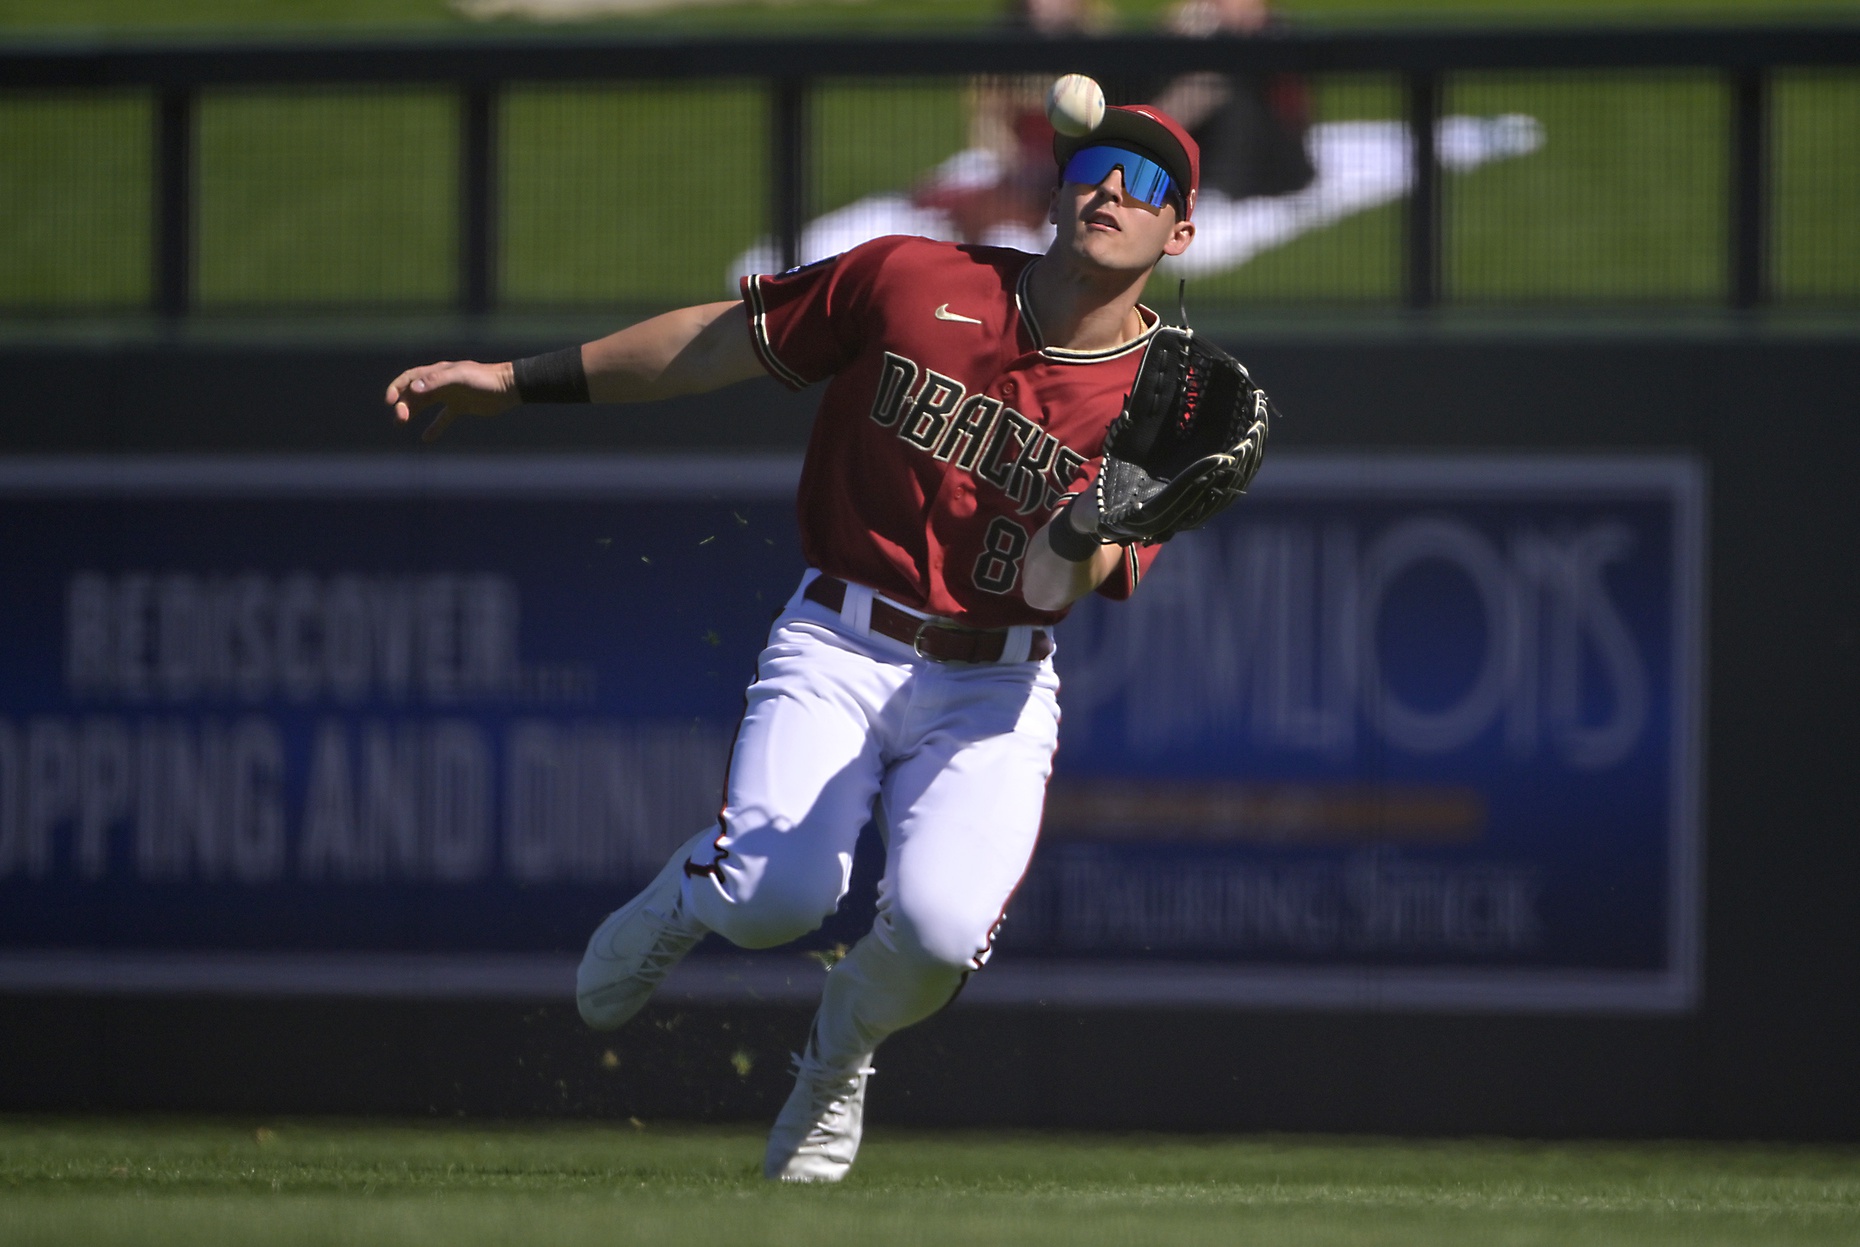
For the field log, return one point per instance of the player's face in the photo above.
(1106, 228)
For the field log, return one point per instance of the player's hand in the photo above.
(465, 387)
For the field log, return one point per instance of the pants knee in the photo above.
(936, 941)
(763, 927)
(772, 906)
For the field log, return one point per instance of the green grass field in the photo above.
(342, 200)
(200, 1184)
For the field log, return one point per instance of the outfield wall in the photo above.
(1706, 987)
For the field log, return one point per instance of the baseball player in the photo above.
(948, 524)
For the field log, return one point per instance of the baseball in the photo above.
(1075, 105)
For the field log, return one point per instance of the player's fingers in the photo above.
(440, 424)
(403, 403)
(411, 403)
(399, 384)
(415, 388)
(423, 395)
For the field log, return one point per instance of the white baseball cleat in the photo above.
(631, 952)
(817, 1134)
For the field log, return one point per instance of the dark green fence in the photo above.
(1701, 168)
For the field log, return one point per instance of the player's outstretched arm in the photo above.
(688, 351)
(1050, 578)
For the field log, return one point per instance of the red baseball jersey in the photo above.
(949, 432)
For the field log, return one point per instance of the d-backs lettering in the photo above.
(974, 432)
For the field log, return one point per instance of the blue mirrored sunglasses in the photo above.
(1144, 179)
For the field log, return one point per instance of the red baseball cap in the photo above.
(1148, 132)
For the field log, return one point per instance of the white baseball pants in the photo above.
(953, 759)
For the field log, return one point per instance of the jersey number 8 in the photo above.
(998, 568)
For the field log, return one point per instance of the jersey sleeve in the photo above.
(809, 322)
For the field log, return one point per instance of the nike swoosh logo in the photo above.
(943, 313)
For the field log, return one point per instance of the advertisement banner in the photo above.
(1393, 732)
(1396, 731)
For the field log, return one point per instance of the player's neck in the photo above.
(1080, 310)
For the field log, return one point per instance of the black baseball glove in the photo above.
(1187, 444)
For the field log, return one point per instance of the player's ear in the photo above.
(1179, 238)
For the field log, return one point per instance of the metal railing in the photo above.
(480, 71)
